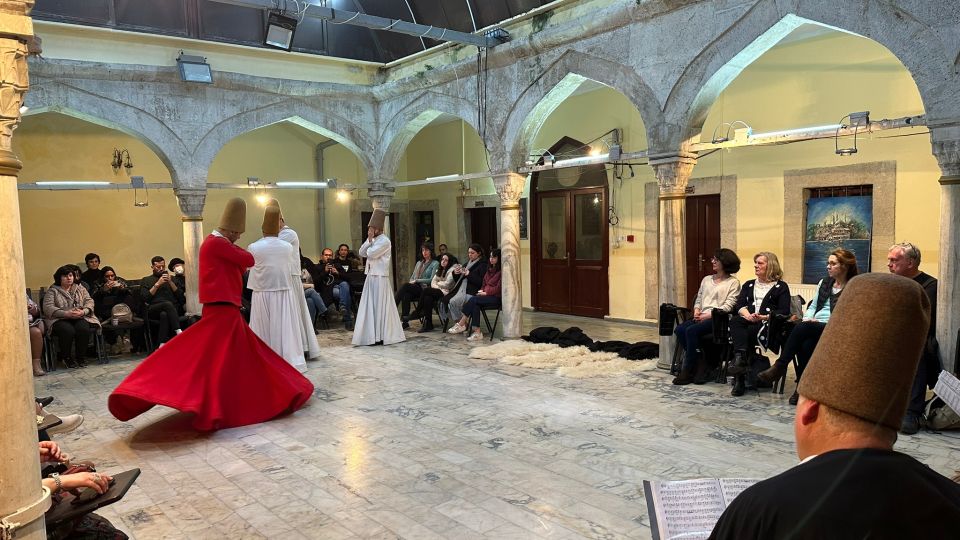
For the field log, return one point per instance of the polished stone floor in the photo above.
(417, 440)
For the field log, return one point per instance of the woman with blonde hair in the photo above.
(758, 300)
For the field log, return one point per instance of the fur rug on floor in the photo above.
(574, 362)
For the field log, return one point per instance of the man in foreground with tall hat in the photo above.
(850, 482)
(217, 369)
(274, 316)
(308, 336)
(377, 321)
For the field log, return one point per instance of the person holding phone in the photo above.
(162, 296)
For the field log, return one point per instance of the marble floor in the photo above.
(418, 440)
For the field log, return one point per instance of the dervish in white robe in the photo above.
(273, 313)
(377, 317)
(307, 334)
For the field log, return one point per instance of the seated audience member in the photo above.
(467, 281)
(93, 273)
(338, 270)
(717, 291)
(177, 267)
(841, 267)
(35, 320)
(439, 287)
(69, 316)
(904, 260)
(108, 292)
(419, 280)
(488, 295)
(850, 483)
(759, 299)
(441, 250)
(77, 279)
(315, 304)
(162, 296)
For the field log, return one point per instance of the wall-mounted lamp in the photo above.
(857, 120)
(137, 183)
(121, 158)
(343, 195)
(280, 30)
(194, 69)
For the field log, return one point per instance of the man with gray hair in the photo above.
(903, 259)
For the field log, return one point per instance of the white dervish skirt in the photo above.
(308, 336)
(377, 317)
(275, 318)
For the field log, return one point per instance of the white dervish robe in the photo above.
(377, 316)
(273, 313)
(307, 333)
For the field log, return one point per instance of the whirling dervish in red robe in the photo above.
(217, 369)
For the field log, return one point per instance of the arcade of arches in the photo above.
(661, 77)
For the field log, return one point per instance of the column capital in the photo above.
(380, 194)
(947, 153)
(509, 186)
(191, 201)
(673, 173)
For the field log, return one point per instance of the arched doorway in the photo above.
(569, 237)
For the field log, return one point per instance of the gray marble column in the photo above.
(191, 205)
(510, 188)
(20, 473)
(673, 173)
(946, 148)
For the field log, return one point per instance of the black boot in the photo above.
(683, 378)
(776, 372)
(701, 375)
(794, 398)
(739, 366)
(739, 386)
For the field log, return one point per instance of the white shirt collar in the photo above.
(217, 233)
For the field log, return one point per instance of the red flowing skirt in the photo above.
(217, 369)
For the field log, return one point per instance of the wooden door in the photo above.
(571, 240)
(703, 239)
(483, 228)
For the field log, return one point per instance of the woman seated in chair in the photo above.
(439, 287)
(68, 314)
(109, 291)
(759, 299)
(419, 280)
(717, 291)
(488, 295)
(841, 268)
(468, 279)
(36, 336)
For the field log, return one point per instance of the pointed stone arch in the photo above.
(542, 96)
(411, 119)
(906, 37)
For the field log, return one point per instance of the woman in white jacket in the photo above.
(378, 322)
(440, 286)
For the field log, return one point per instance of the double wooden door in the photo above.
(570, 252)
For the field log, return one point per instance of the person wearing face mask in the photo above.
(162, 296)
(176, 268)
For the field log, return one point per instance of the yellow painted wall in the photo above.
(60, 227)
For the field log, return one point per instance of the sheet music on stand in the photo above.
(948, 388)
(689, 509)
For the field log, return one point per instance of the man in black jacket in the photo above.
(162, 295)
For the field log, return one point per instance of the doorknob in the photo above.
(700, 261)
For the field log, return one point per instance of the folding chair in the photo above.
(492, 328)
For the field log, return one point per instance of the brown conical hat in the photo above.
(867, 357)
(378, 219)
(271, 221)
(234, 217)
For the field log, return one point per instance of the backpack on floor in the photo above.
(940, 416)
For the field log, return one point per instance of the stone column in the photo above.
(380, 196)
(672, 172)
(20, 473)
(946, 148)
(510, 188)
(191, 205)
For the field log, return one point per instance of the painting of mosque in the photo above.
(836, 222)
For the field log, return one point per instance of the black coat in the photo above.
(777, 301)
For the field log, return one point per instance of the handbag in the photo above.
(121, 313)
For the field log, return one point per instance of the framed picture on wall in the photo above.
(837, 222)
(523, 218)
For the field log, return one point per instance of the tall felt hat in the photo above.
(271, 221)
(378, 218)
(234, 217)
(867, 357)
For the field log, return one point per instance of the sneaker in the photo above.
(69, 423)
(910, 425)
(476, 336)
(457, 329)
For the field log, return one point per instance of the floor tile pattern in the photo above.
(418, 441)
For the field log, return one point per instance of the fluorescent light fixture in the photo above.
(782, 133)
(280, 30)
(583, 160)
(194, 69)
(443, 178)
(301, 184)
(72, 183)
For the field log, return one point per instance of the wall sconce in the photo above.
(857, 119)
(121, 158)
(343, 195)
(194, 69)
(138, 183)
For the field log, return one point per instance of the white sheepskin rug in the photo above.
(575, 362)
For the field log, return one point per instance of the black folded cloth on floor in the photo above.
(574, 336)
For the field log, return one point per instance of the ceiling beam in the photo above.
(339, 16)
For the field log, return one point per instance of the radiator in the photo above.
(808, 292)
